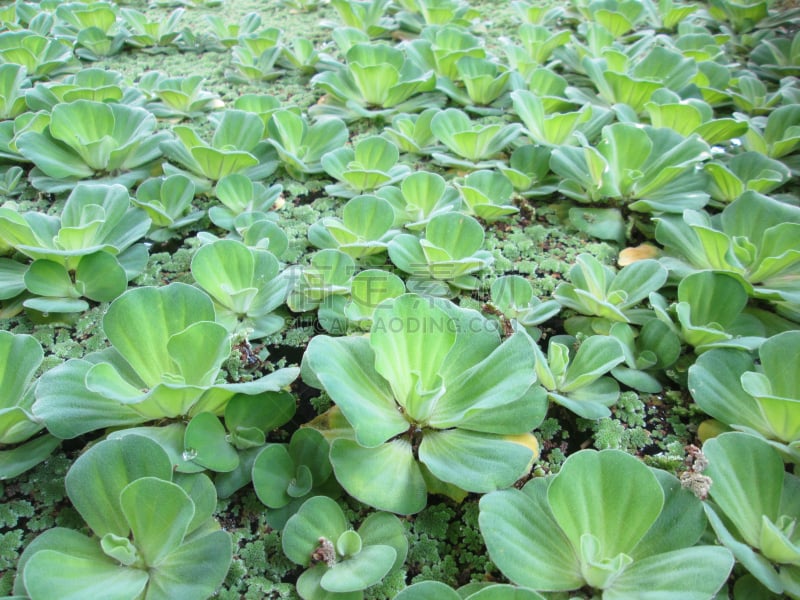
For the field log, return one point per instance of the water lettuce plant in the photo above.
(549, 129)
(11, 181)
(91, 251)
(538, 42)
(472, 145)
(609, 522)
(744, 172)
(436, 590)
(245, 284)
(322, 284)
(618, 18)
(528, 169)
(446, 259)
(300, 55)
(364, 230)
(412, 133)
(596, 291)
(487, 195)
(152, 370)
(514, 297)
(19, 449)
(154, 533)
(369, 16)
(578, 379)
(228, 446)
(12, 92)
(255, 56)
(761, 399)
(367, 290)
(237, 146)
(420, 197)
(440, 48)
(433, 401)
(144, 33)
(370, 164)
(753, 509)
(240, 196)
(484, 84)
(168, 202)
(98, 85)
(93, 27)
(41, 56)
(641, 167)
(417, 14)
(377, 80)
(753, 239)
(777, 135)
(181, 97)
(776, 56)
(632, 80)
(301, 145)
(227, 34)
(711, 312)
(286, 475)
(114, 143)
(667, 109)
(649, 351)
(73, 17)
(341, 562)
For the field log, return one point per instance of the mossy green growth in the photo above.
(31, 503)
(446, 545)
(541, 250)
(259, 568)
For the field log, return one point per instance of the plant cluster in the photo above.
(421, 156)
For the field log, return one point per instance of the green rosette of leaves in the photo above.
(436, 590)
(154, 533)
(20, 357)
(608, 522)
(342, 562)
(444, 261)
(91, 251)
(631, 82)
(41, 56)
(376, 81)
(85, 139)
(578, 379)
(177, 97)
(763, 399)
(363, 232)
(93, 84)
(322, 285)
(646, 168)
(247, 286)
(13, 84)
(286, 475)
(432, 401)
(373, 162)
(420, 197)
(440, 48)
(754, 239)
(301, 145)
(236, 146)
(368, 16)
(159, 33)
(167, 201)
(472, 145)
(604, 296)
(165, 361)
(754, 511)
